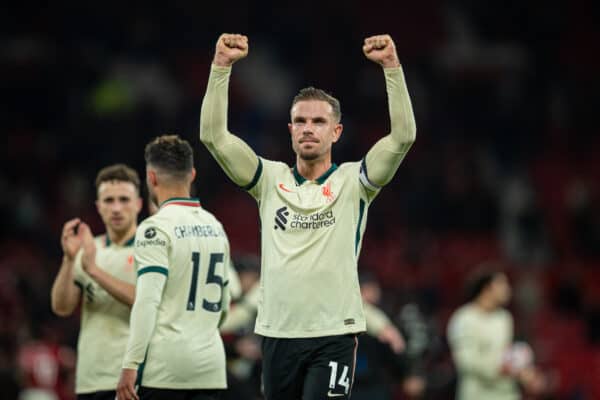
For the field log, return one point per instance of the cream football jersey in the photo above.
(104, 320)
(189, 246)
(311, 238)
(478, 341)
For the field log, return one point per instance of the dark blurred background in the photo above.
(504, 168)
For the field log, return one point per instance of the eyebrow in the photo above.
(315, 119)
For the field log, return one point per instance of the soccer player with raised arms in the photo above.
(313, 216)
(181, 254)
(99, 274)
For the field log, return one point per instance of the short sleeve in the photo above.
(151, 250)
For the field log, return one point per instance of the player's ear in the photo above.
(151, 177)
(337, 132)
(139, 205)
(290, 128)
(193, 174)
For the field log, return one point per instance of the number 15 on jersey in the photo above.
(211, 278)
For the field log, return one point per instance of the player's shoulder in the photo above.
(156, 223)
(465, 312)
(460, 320)
(349, 166)
(275, 166)
(209, 217)
(504, 314)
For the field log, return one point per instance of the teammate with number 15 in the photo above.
(181, 255)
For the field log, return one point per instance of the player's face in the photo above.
(501, 289)
(118, 204)
(313, 129)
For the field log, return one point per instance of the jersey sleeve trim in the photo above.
(153, 268)
(140, 370)
(256, 176)
(361, 211)
(364, 178)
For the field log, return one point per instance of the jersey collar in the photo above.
(181, 201)
(128, 243)
(320, 180)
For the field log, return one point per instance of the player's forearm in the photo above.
(385, 156)
(143, 318)
(64, 294)
(120, 290)
(236, 158)
(375, 318)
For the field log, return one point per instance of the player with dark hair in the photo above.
(99, 274)
(480, 334)
(313, 219)
(181, 255)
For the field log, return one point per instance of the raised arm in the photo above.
(237, 159)
(385, 156)
(120, 290)
(65, 294)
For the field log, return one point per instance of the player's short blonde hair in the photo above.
(312, 93)
(118, 172)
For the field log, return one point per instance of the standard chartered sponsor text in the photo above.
(312, 221)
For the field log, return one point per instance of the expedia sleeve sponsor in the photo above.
(150, 242)
(186, 231)
(150, 236)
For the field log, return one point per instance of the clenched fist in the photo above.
(381, 49)
(230, 48)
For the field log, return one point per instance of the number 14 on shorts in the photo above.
(343, 381)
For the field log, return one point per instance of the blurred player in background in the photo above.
(181, 254)
(382, 361)
(480, 334)
(99, 273)
(313, 218)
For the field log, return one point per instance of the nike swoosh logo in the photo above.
(284, 188)
(329, 394)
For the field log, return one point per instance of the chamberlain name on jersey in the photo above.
(104, 320)
(189, 246)
(311, 238)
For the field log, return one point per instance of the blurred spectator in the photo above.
(524, 235)
(47, 368)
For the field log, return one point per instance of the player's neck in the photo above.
(120, 238)
(167, 193)
(485, 304)
(313, 169)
